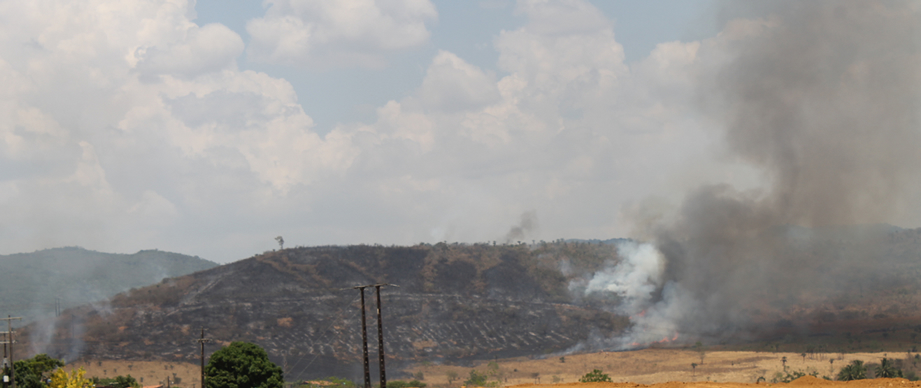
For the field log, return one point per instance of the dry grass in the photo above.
(652, 366)
(146, 372)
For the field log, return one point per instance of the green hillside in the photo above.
(43, 282)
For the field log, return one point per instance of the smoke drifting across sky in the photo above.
(821, 98)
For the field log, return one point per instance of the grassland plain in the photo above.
(651, 366)
(808, 381)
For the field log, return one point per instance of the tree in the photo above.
(887, 369)
(281, 242)
(853, 371)
(30, 372)
(405, 384)
(595, 376)
(699, 347)
(242, 365)
(76, 379)
(117, 382)
(476, 379)
(452, 375)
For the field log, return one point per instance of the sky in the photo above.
(209, 128)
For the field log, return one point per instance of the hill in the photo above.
(43, 282)
(454, 303)
(458, 303)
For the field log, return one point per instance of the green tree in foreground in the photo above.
(242, 365)
(117, 382)
(887, 369)
(853, 371)
(595, 376)
(31, 372)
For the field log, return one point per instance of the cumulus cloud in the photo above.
(127, 126)
(338, 33)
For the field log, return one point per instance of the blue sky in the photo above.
(211, 127)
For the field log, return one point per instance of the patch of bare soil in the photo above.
(650, 366)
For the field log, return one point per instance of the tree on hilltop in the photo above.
(242, 365)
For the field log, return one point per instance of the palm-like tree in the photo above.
(886, 369)
(853, 371)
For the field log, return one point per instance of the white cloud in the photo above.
(207, 49)
(338, 33)
(127, 126)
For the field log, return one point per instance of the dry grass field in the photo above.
(146, 372)
(652, 366)
(805, 382)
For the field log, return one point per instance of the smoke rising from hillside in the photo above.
(822, 99)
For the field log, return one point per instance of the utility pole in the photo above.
(9, 333)
(380, 334)
(6, 378)
(201, 341)
(364, 337)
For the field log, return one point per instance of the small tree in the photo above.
(595, 376)
(242, 365)
(783, 360)
(452, 375)
(76, 379)
(281, 242)
(853, 371)
(476, 379)
(887, 369)
(699, 347)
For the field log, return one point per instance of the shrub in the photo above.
(595, 376)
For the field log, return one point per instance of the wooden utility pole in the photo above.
(5, 359)
(201, 341)
(10, 341)
(364, 337)
(380, 334)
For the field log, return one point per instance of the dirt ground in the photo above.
(652, 366)
(146, 372)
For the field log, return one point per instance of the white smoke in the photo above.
(654, 305)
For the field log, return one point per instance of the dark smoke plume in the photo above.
(822, 98)
(526, 227)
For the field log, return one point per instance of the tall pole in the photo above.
(9, 331)
(380, 337)
(202, 342)
(364, 339)
(4, 357)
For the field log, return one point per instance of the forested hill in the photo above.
(41, 282)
